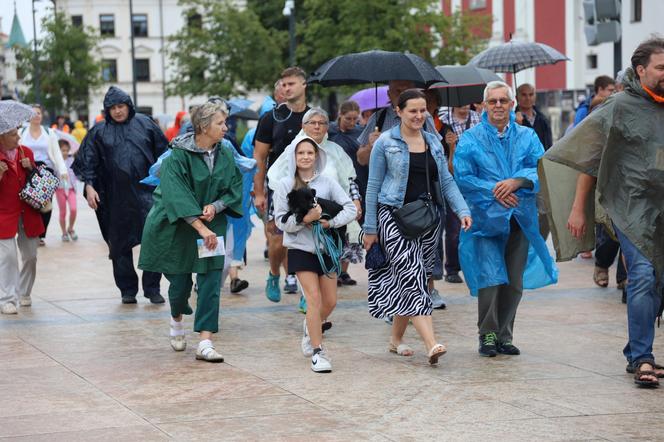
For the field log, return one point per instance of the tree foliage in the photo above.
(68, 71)
(222, 52)
(235, 49)
(326, 29)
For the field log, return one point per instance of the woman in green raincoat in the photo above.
(199, 181)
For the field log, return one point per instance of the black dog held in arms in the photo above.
(300, 201)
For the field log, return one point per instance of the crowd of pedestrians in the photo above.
(428, 192)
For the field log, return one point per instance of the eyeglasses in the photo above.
(317, 123)
(494, 101)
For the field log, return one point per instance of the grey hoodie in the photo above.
(300, 236)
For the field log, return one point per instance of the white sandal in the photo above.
(401, 349)
(436, 352)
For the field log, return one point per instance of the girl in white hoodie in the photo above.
(305, 164)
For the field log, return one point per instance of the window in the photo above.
(109, 70)
(591, 61)
(77, 20)
(139, 23)
(195, 21)
(142, 69)
(107, 25)
(637, 9)
(477, 4)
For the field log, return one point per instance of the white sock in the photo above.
(204, 344)
(177, 328)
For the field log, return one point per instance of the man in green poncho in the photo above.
(620, 148)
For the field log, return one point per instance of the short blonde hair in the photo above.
(201, 117)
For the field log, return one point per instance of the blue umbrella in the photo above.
(239, 108)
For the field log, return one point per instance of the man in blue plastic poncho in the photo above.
(495, 166)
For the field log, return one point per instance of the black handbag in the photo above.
(418, 217)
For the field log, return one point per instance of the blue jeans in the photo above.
(643, 301)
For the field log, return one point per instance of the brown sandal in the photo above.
(436, 352)
(601, 277)
(639, 374)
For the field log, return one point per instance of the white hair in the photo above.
(498, 85)
(201, 118)
(313, 112)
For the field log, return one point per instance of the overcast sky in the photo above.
(24, 11)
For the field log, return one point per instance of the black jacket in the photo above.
(542, 127)
(113, 158)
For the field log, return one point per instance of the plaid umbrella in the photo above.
(13, 114)
(515, 56)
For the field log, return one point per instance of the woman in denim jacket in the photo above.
(397, 176)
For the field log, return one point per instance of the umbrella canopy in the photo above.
(375, 67)
(73, 142)
(515, 56)
(371, 98)
(13, 114)
(239, 108)
(465, 84)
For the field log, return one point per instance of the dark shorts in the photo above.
(301, 261)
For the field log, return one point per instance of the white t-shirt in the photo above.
(38, 146)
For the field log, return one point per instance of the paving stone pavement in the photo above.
(78, 365)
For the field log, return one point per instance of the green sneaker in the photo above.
(488, 345)
(272, 290)
(303, 305)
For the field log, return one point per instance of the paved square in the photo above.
(78, 365)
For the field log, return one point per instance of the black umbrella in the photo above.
(375, 67)
(515, 56)
(465, 84)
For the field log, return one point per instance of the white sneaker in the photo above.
(321, 362)
(25, 301)
(8, 309)
(307, 349)
(179, 342)
(209, 354)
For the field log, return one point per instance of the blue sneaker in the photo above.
(272, 288)
(303, 305)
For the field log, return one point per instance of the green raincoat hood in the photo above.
(622, 144)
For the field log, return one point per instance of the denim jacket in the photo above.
(388, 176)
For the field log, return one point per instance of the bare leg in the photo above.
(424, 326)
(328, 288)
(399, 325)
(311, 289)
(276, 251)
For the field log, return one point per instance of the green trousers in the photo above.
(207, 303)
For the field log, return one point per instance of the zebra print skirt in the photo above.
(400, 287)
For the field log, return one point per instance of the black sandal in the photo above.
(639, 374)
(630, 369)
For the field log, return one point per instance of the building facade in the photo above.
(560, 24)
(153, 22)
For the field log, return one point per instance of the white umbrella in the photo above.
(13, 114)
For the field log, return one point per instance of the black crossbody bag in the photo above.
(421, 216)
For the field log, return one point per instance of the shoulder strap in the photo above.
(426, 166)
(380, 121)
(468, 121)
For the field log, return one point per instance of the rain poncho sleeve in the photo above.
(621, 143)
(481, 160)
